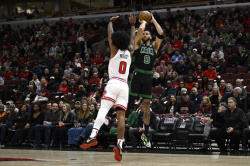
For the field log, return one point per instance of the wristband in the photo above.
(133, 24)
(110, 21)
(159, 36)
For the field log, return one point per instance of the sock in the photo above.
(94, 133)
(120, 142)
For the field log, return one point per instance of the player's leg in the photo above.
(100, 119)
(120, 115)
(146, 118)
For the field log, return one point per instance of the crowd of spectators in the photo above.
(57, 63)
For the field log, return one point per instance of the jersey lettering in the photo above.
(146, 59)
(122, 67)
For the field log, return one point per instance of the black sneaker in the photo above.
(45, 146)
(118, 153)
(88, 143)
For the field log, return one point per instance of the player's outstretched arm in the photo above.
(132, 21)
(110, 31)
(159, 36)
(139, 34)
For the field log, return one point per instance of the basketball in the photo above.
(145, 15)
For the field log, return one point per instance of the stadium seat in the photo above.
(235, 76)
(248, 89)
(246, 76)
(157, 91)
(230, 70)
(165, 131)
(7, 82)
(15, 82)
(242, 70)
(224, 76)
(230, 81)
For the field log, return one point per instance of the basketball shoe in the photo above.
(118, 153)
(144, 138)
(88, 143)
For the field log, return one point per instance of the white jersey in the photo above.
(119, 65)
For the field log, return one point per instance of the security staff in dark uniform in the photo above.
(145, 53)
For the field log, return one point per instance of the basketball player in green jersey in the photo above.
(141, 84)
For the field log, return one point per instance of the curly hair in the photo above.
(121, 40)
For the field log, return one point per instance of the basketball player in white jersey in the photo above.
(117, 91)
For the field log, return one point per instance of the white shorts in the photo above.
(117, 92)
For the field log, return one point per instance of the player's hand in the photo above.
(142, 21)
(152, 19)
(114, 18)
(132, 19)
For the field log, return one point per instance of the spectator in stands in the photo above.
(205, 106)
(66, 121)
(7, 73)
(222, 87)
(215, 98)
(176, 58)
(236, 93)
(82, 119)
(35, 118)
(43, 95)
(233, 60)
(177, 44)
(87, 60)
(7, 123)
(19, 123)
(204, 37)
(54, 49)
(231, 41)
(2, 113)
(196, 97)
(181, 68)
(243, 96)
(133, 132)
(190, 81)
(210, 73)
(155, 77)
(156, 106)
(162, 68)
(217, 53)
(171, 107)
(43, 82)
(50, 119)
(95, 79)
(185, 106)
(233, 121)
(98, 59)
(68, 69)
(64, 88)
(52, 86)
(35, 80)
(161, 81)
(218, 66)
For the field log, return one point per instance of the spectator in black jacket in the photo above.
(52, 85)
(233, 121)
(7, 123)
(138, 131)
(168, 91)
(65, 123)
(36, 117)
(185, 106)
(156, 106)
(19, 123)
(51, 118)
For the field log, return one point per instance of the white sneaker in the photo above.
(148, 145)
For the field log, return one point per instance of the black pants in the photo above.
(245, 137)
(60, 133)
(27, 133)
(134, 132)
(221, 134)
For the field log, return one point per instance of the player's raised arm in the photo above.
(110, 31)
(139, 35)
(159, 36)
(132, 21)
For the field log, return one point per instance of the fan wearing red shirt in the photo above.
(64, 88)
(95, 79)
(176, 44)
(7, 74)
(210, 73)
(73, 37)
(98, 59)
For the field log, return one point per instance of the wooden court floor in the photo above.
(93, 158)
